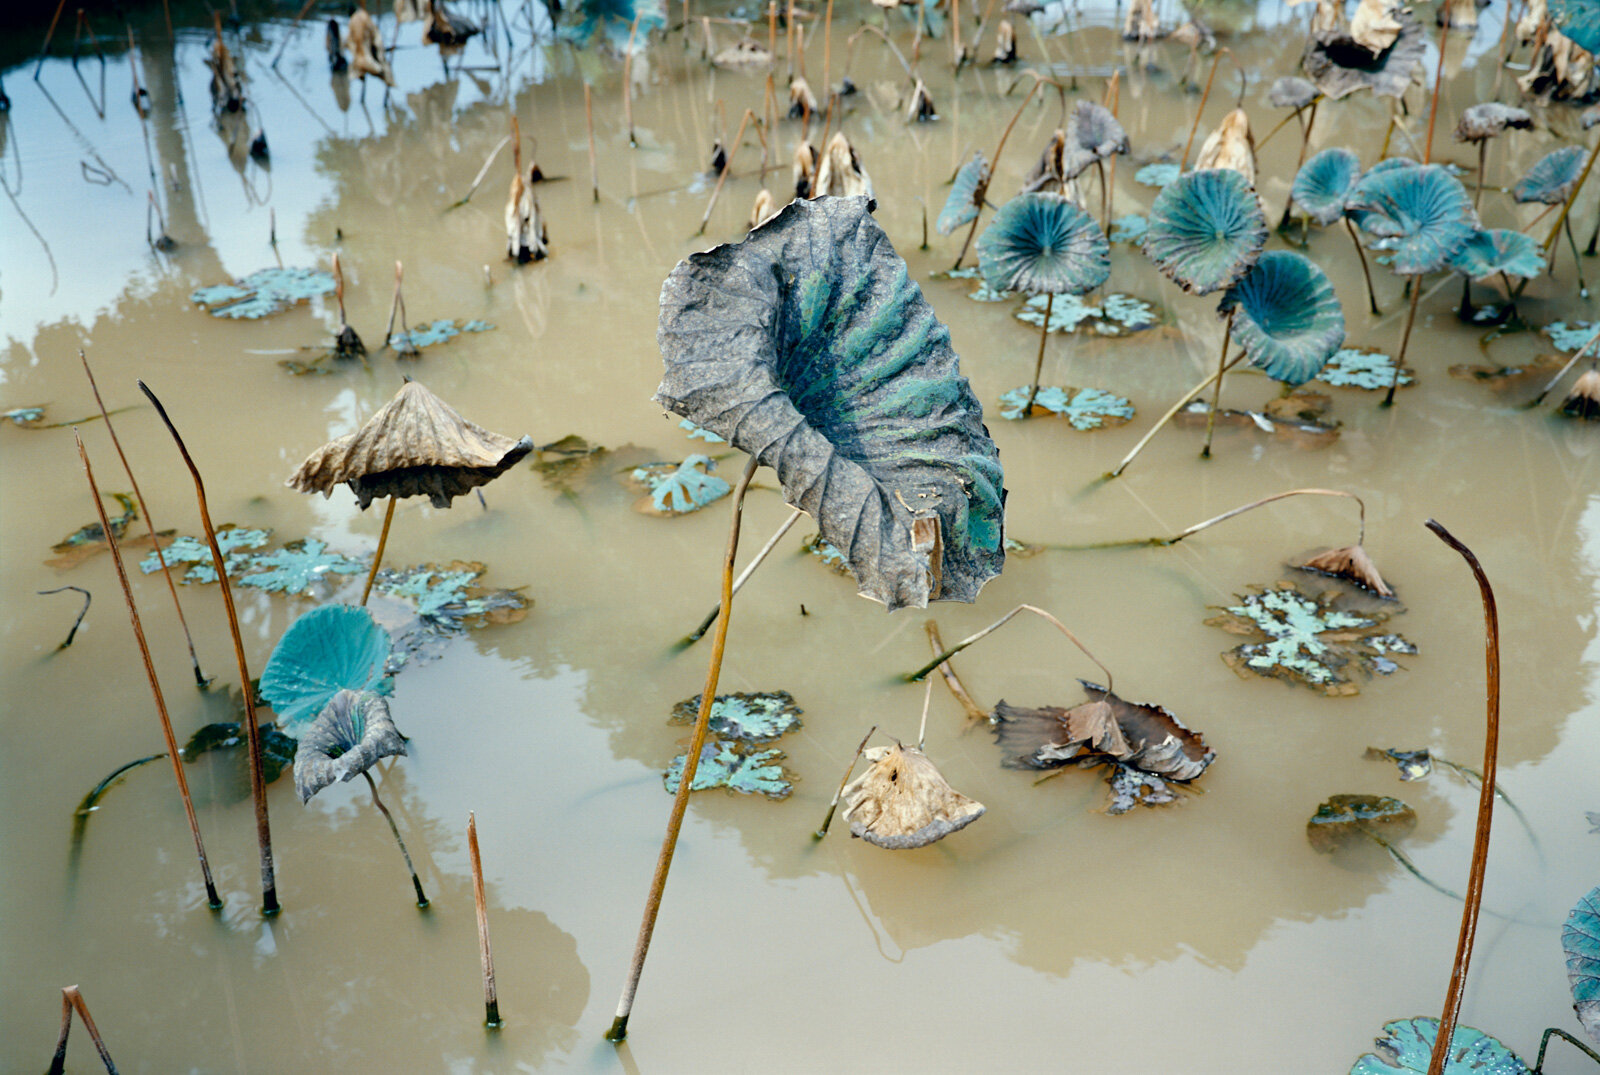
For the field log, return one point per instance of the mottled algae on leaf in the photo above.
(807, 346)
(751, 718)
(435, 332)
(1310, 640)
(726, 765)
(197, 552)
(902, 801)
(676, 488)
(1580, 940)
(1407, 1046)
(351, 734)
(1343, 820)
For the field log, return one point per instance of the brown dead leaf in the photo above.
(902, 801)
(1351, 563)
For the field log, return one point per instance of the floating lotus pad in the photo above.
(678, 488)
(297, 566)
(1580, 940)
(1424, 210)
(1206, 230)
(1285, 316)
(754, 772)
(327, 650)
(1407, 1046)
(1129, 228)
(351, 735)
(1083, 408)
(697, 433)
(24, 417)
(1553, 175)
(1044, 244)
(966, 193)
(1371, 370)
(1499, 250)
(436, 332)
(751, 718)
(196, 551)
(1324, 183)
(262, 293)
(1569, 336)
(807, 346)
(1116, 315)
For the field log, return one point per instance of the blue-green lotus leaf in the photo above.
(750, 718)
(1580, 939)
(196, 551)
(1286, 316)
(1565, 336)
(1042, 243)
(725, 766)
(1206, 230)
(1118, 315)
(1579, 20)
(350, 735)
(966, 195)
(807, 346)
(1407, 1046)
(679, 488)
(1553, 175)
(264, 292)
(1083, 408)
(1352, 368)
(329, 649)
(1424, 209)
(293, 568)
(1159, 174)
(1497, 250)
(436, 332)
(615, 18)
(1324, 183)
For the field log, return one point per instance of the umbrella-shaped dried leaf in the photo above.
(1083, 408)
(329, 649)
(1044, 244)
(751, 718)
(1339, 66)
(1323, 184)
(351, 734)
(1230, 146)
(1346, 820)
(1352, 563)
(840, 174)
(1413, 764)
(1206, 230)
(1005, 43)
(805, 169)
(1407, 1047)
(966, 195)
(415, 445)
(1310, 640)
(1578, 20)
(1483, 121)
(1424, 209)
(807, 346)
(1375, 26)
(1498, 250)
(1371, 370)
(1093, 134)
(1551, 178)
(1291, 92)
(902, 801)
(1286, 316)
(1584, 399)
(1580, 940)
(526, 236)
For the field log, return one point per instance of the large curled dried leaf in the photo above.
(902, 801)
(1407, 1047)
(350, 735)
(1140, 735)
(1093, 134)
(807, 346)
(1347, 820)
(1339, 65)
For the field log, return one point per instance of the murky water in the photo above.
(1203, 937)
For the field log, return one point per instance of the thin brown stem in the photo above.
(477, 180)
(827, 54)
(212, 898)
(974, 711)
(588, 119)
(627, 82)
(1480, 839)
(1183, 401)
(822, 830)
(691, 764)
(1038, 363)
(258, 784)
(416, 883)
(491, 999)
(72, 1000)
(1366, 272)
(1477, 191)
(1216, 395)
(939, 659)
(1183, 161)
(1438, 81)
(1405, 338)
(377, 556)
(727, 166)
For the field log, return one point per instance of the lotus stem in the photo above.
(482, 172)
(1438, 80)
(1305, 143)
(1405, 338)
(1183, 161)
(144, 508)
(1361, 533)
(1549, 240)
(1503, 53)
(1366, 272)
(1577, 262)
(912, 677)
(983, 25)
(1281, 124)
(82, 612)
(1573, 361)
(983, 188)
(1113, 99)
(1480, 841)
(1405, 860)
(212, 899)
(377, 557)
(422, 899)
(744, 576)
(691, 764)
(588, 118)
(1545, 1041)
(258, 784)
(974, 711)
(1165, 418)
(822, 830)
(627, 83)
(827, 54)
(1038, 363)
(1216, 395)
(1483, 154)
(394, 307)
(727, 166)
(927, 699)
(491, 999)
(44, 50)
(772, 28)
(72, 999)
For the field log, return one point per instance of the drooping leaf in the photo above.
(262, 293)
(1118, 315)
(277, 749)
(332, 648)
(1407, 1046)
(750, 718)
(726, 766)
(1311, 640)
(1323, 184)
(350, 735)
(296, 566)
(1093, 134)
(1042, 243)
(1286, 316)
(1083, 408)
(1578, 20)
(902, 801)
(1580, 939)
(966, 193)
(1346, 820)
(677, 488)
(1353, 368)
(1483, 121)
(1206, 230)
(1291, 92)
(90, 538)
(1413, 764)
(1340, 66)
(1424, 210)
(807, 346)
(196, 551)
(436, 332)
(1553, 175)
(1499, 250)
(1158, 175)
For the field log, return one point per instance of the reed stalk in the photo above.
(72, 999)
(491, 996)
(822, 830)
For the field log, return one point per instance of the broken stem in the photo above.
(996, 625)
(727, 166)
(72, 999)
(1165, 418)
(478, 179)
(422, 899)
(974, 711)
(822, 830)
(491, 999)
(377, 557)
(927, 699)
(691, 764)
(744, 576)
(82, 612)
(588, 118)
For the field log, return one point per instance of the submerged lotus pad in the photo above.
(725, 766)
(1407, 1046)
(807, 346)
(1042, 243)
(1345, 820)
(1083, 408)
(1206, 230)
(752, 718)
(1309, 640)
(1286, 316)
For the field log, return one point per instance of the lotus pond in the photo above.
(1127, 915)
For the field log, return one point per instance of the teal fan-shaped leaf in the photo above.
(329, 649)
(1324, 183)
(1552, 176)
(807, 346)
(1206, 230)
(350, 735)
(1497, 250)
(966, 195)
(1042, 243)
(1286, 316)
(1579, 20)
(1407, 1046)
(1423, 210)
(1580, 939)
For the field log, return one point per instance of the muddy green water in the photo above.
(1202, 937)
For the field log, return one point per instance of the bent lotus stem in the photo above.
(491, 999)
(258, 784)
(1366, 271)
(82, 612)
(691, 764)
(982, 190)
(422, 899)
(1411, 867)
(1183, 161)
(913, 677)
(1573, 361)
(72, 1000)
(212, 899)
(1562, 1034)
(1405, 339)
(974, 711)
(744, 577)
(727, 166)
(477, 180)
(822, 830)
(1361, 532)
(1216, 393)
(1183, 401)
(1480, 840)
(377, 556)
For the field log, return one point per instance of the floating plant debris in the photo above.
(1351, 367)
(1158, 175)
(1407, 1046)
(296, 567)
(195, 551)
(751, 718)
(828, 553)
(1351, 563)
(435, 332)
(1294, 419)
(1345, 820)
(1115, 315)
(1580, 940)
(277, 749)
(1413, 764)
(722, 765)
(448, 599)
(677, 488)
(90, 538)
(262, 293)
(902, 801)
(329, 649)
(1129, 228)
(1083, 408)
(26, 417)
(565, 463)
(1310, 640)
(351, 734)
(1570, 337)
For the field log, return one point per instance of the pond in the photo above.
(1206, 935)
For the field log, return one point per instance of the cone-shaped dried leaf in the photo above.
(1374, 26)
(1551, 178)
(1230, 146)
(902, 801)
(1584, 399)
(1291, 92)
(1286, 316)
(807, 346)
(1345, 820)
(1206, 230)
(1353, 564)
(966, 195)
(1407, 1047)
(1042, 243)
(348, 737)
(1499, 250)
(367, 54)
(1424, 209)
(840, 174)
(1580, 939)
(1093, 134)
(329, 649)
(1483, 121)
(1153, 740)
(1340, 66)
(415, 445)
(1578, 20)
(1324, 183)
